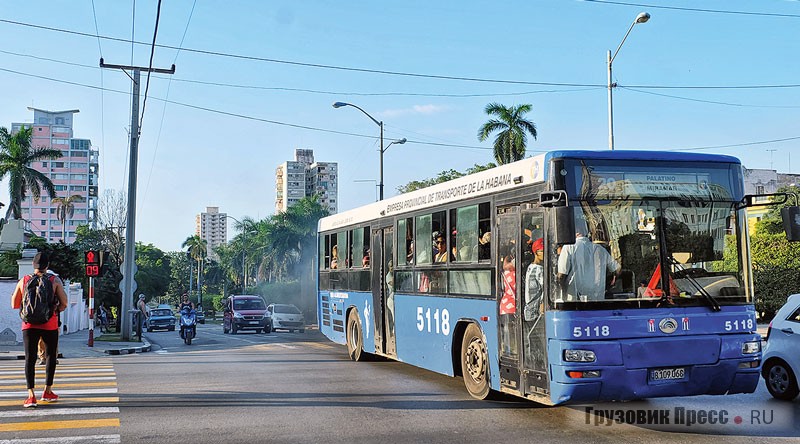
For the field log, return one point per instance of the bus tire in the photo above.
(355, 337)
(475, 363)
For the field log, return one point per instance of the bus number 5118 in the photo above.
(439, 318)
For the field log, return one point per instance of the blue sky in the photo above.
(192, 158)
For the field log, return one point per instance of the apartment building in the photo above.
(212, 226)
(303, 176)
(74, 174)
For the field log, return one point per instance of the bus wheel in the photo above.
(355, 339)
(475, 363)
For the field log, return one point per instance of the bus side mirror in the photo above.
(791, 223)
(565, 226)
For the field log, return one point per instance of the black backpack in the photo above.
(38, 300)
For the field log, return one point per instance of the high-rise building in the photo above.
(74, 175)
(304, 177)
(212, 226)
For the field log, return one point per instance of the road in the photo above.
(299, 388)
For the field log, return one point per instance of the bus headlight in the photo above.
(579, 356)
(749, 348)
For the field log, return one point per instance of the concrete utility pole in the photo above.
(129, 261)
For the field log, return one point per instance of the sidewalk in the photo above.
(75, 345)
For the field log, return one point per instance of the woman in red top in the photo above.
(47, 331)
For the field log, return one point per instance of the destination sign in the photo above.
(640, 185)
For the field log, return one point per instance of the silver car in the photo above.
(782, 352)
(287, 317)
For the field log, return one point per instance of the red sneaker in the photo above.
(30, 402)
(49, 397)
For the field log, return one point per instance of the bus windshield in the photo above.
(650, 241)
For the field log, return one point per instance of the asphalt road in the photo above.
(300, 388)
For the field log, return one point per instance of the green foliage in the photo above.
(179, 276)
(512, 129)
(65, 260)
(152, 277)
(8, 263)
(776, 271)
(772, 223)
(442, 177)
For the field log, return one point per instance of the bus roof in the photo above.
(504, 177)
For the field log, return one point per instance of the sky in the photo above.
(256, 79)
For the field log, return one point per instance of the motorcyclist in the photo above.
(185, 303)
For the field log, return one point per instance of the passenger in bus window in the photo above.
(483, 246)
(534, 278)
(582, 269)
(335, 257)
(508, 303)
(365, 260)
(440, 246)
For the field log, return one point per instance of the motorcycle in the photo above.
(188, 325)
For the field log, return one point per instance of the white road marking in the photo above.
(63, 393)
(285, 346)
(59, 411)
(40, 371)
(59, 379)
(89, 439)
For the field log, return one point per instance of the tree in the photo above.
(512, 131)
(443, 176)
(153, 274)
(198, 248)
(16, 156)
(65, 210)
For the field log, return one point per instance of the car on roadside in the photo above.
(782, 351)
(286, 317)
(245, 312)
(162, 318)
(200, 315)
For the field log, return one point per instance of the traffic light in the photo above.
(92, 260)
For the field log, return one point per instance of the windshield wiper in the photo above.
(712, 302)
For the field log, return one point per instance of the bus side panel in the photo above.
(333, 320)
(425, 324)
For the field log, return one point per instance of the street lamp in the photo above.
(643, 17)
(382, 149)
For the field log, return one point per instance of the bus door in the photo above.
(381, 253)
(530, 301)
(507, 240)
(389, 338)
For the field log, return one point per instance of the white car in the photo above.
(782, 352)
(287, 317)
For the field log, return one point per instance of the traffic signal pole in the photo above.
(91, 311)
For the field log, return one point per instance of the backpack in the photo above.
(38, 300)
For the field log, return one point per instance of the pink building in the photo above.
(75, 173)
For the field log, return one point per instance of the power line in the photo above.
(713, 102)
(394, 73)
(677, 8)
(150, 66)
(344, 133)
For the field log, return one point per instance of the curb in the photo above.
(131, 350)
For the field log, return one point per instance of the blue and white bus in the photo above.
(449, 278)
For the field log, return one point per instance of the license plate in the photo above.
(666, 374)
(253, 322)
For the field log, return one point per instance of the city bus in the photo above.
(568, 277)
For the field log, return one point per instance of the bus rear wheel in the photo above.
(355, 338)
(475, 363)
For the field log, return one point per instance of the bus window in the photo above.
(324, 248)
(356, 247)
(422, 240)
(470, 282)
(465, 233)
(484, 229)
(405, 241)
(439, 238)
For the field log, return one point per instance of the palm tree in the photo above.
(65, 210)
(198, 248)
(512, 131)
(16, 154)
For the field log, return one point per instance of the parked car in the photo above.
(782, 352)
(200, 315)
(161, 317)
(286, 316)
(245, 312)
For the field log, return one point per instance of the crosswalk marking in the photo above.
(88, 399)
(89, 439)
(59, 425)
(59, 411)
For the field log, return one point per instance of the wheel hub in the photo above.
(475, 360)
(778, 379)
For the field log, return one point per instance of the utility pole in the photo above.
(129, 262)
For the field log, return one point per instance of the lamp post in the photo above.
(382, 149)
(643, 17)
